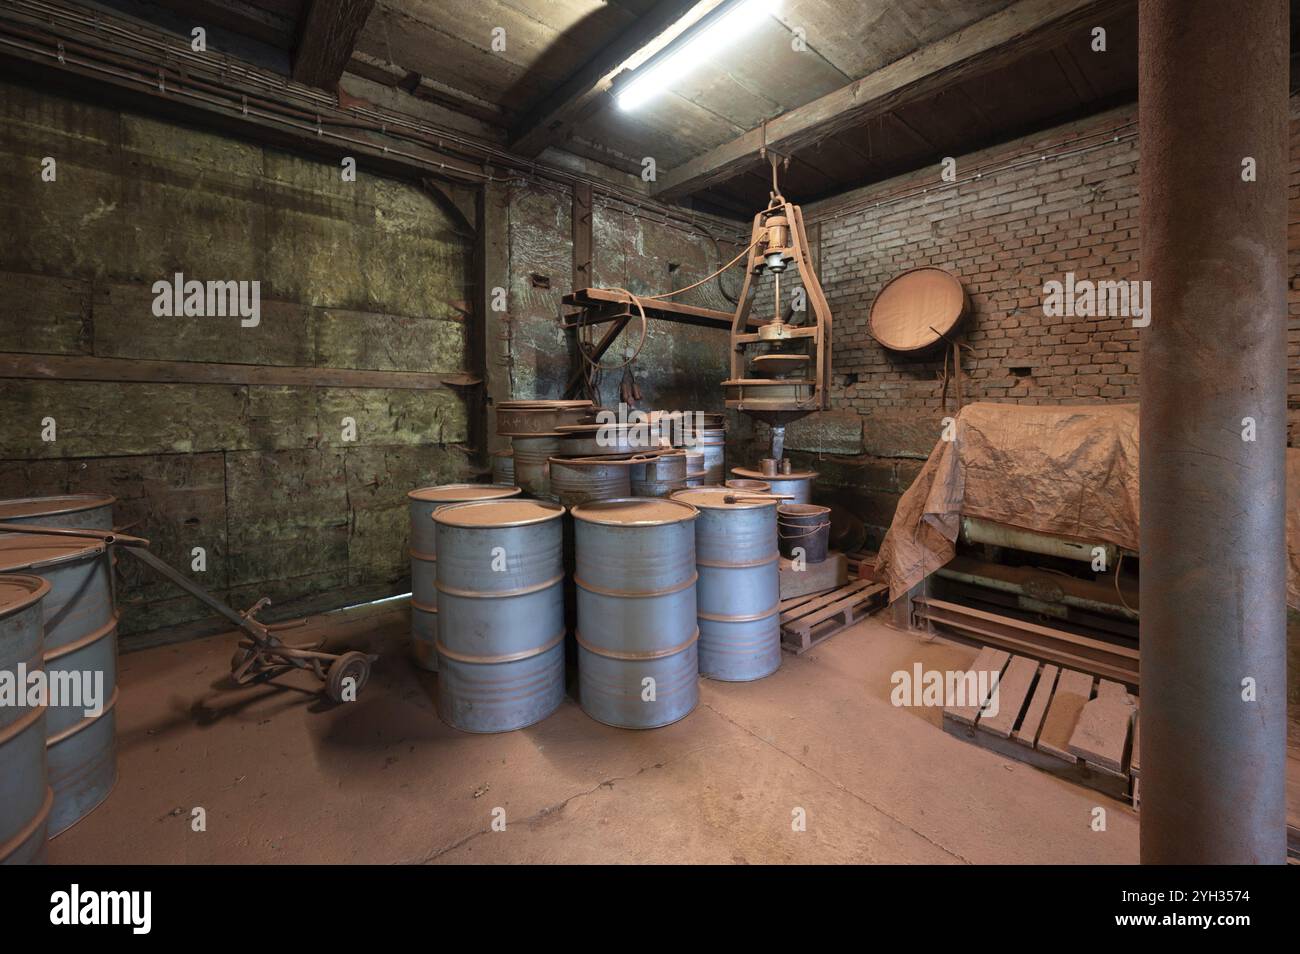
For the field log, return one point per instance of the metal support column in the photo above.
(1213, 133)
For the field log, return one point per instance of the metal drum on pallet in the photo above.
(80, 653)
(424, 559)
(797, 484)
(584, 479)
(501, 613)
(637, 637)
(503, 467)
(739, 591)
(67, 511)
(533, 464)
(25, 796)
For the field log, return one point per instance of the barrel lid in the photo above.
(537, 405)
(714, 498)
(18, 592)
(497, 513)
(759, 475)
(635, 512)
(461, 493)
(47, 506)
(31, 551)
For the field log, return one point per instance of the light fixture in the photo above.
(741, 18)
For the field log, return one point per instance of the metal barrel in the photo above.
(576, 482)
(81, 657)
(533, 464)
(660, 476)
(67, 511)
(695, 473)
(501, 614)
(798, 485)
(739, 591)
(503, 467)
(424, 559)
(638, 664)
(25, 795)
(713, 442)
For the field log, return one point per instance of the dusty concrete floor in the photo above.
(286, 777)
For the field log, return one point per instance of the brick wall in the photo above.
(1024, 221)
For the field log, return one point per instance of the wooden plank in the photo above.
(1073, 689)
(819, 602)
(1011, 693)
(1100, 737)
(327, 35)
(1025, 27)
(1027, 734)
(86, 368)
(845, 608)
(556, 117)
(989, 660)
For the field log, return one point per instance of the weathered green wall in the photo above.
(681, 367)
(370, 275)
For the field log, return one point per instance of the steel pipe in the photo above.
(1213, 123)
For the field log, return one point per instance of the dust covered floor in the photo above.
(284, 776)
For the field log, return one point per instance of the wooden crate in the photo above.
(808, 620)
(1062, 721)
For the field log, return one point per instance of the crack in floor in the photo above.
(843, 788)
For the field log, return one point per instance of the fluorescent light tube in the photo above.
(661, 74)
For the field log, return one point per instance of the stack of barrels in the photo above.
(58, 759)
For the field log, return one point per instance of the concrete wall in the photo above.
(368, 276)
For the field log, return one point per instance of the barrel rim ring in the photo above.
(637, 657)
(85, 547)
(712, 491)
(85, 723)
(38, 592)
(92, 501)
(750, 618)
(439, 516)
(20, 725)
(411, 494)
(635, 594)
(718, 565)
(416, 604)
(497, 594)
(89, 639)
(750, 473)
(504, 657)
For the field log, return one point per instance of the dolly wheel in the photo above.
(352, 665)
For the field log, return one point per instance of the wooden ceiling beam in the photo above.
(327, 35)
(555, 116)
(1025, 27)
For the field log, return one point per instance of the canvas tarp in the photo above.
(1067, 471)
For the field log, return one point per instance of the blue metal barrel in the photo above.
(637, 637)
(80, 645)
(424, 559)
(25, 796)
(500, 613)
(739, 591)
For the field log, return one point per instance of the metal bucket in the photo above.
(503, 468)
(753, 486)
(501, 613)
(424, 559)
(584, 479)
(659, 476)
(533, 464)
(637, 630)
(80, 637)
(798, 485)
(806, 527)
(68, 511)
(739, 591)
(25, 795)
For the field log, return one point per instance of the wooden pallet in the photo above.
(808, 620)
(861, 564)
(1062, 721)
